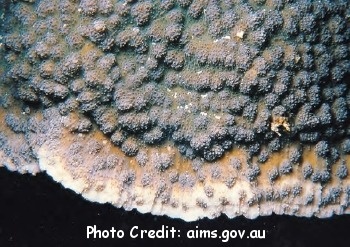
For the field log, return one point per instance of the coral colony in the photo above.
(185, 108)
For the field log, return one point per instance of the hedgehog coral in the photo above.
(183, 101)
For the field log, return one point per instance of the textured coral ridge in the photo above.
(179, 107)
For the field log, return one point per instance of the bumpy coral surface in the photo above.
(184, 108)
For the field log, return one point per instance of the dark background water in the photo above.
(35, 211)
